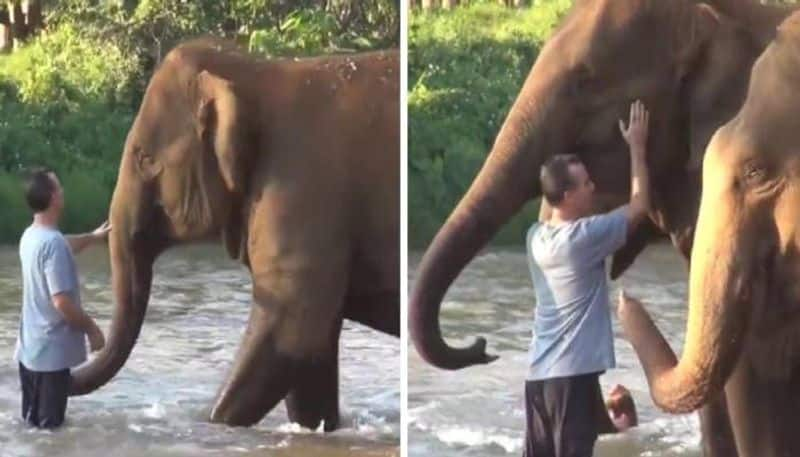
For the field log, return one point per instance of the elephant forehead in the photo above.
(593, 27)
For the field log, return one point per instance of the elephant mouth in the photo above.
(153, 230)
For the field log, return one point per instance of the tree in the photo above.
(19, 20)
(449, 4)
(6, 39)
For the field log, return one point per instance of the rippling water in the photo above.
(155, 406)
(479, 411)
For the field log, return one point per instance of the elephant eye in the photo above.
(754, 173)
(583, 79)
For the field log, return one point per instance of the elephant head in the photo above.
(182, 178)
(688, 63)
(743, 276)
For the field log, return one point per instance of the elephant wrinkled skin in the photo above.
(294, 164)
(688, 61)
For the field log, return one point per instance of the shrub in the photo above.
(466, 67)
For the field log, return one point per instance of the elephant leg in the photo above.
(261, 374)
(292, 325)
(315, 396)
(715, 427)
(379, 311)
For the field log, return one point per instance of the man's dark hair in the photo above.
(555, 177)
(39, 189)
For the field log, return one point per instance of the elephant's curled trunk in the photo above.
(132, 273)
(508, 178)
(728, 279)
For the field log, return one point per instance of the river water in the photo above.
(479, 411)
(155, 405)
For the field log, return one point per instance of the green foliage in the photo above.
(70, 94)
(465, 69)
(16, 215)
(66, 102)
(310, 31)
(63, 66)
(85, 207)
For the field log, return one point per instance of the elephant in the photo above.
(293, 164)
(688, 61)
(742, 330)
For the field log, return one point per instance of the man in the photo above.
(573, 342)
(51, 335)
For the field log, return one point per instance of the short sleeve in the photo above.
(58, 269)
(605, 233)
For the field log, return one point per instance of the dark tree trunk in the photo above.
(449, 4)
(17, 22)
(32, 9)
(5, 31)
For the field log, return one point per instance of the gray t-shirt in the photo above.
(572, 327)
(46, 341)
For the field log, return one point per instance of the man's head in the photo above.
(43, 192)
(566, 185)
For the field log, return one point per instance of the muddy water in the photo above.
(156, 405)
(479, 411)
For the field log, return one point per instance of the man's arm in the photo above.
(78, 243)
(77, 318)
(636, 137)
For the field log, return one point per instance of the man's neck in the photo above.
(562, 216)
(46, 219)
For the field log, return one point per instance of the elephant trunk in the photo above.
(508, 178)
(728, 278)
(132, 254)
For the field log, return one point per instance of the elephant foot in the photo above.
(315, 396)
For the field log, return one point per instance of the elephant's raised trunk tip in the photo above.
(713, 343)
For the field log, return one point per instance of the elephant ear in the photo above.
(224, 129)
(694, 31)
(223, 126)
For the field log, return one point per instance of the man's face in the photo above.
(581, 196)
(57, 200)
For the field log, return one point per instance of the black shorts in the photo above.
(562, 416)
(44, 396)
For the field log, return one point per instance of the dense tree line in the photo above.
(71, 81)
(427, 5)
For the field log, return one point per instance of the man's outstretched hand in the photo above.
(621, 408)
(101, 233)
